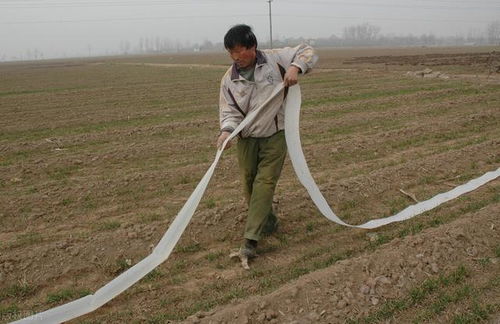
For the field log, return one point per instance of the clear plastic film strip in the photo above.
(299, 163)
(167, 243)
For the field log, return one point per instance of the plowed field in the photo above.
(98, 156)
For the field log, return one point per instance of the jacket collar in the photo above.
(259, 60)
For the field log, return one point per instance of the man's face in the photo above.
(242, 56)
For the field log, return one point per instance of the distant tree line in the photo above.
(356, 35)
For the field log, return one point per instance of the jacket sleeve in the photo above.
(229, 115)
(302, 56)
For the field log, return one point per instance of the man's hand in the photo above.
(222, 137)
(291, 76)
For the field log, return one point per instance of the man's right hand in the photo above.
(222, 138)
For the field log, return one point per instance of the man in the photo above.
(261, 146)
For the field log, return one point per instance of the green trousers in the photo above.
(261, 161)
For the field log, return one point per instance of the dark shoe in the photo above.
(249, 249)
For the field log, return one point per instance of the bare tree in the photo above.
(168, 45)
(141, 45)
(157, 44)
(206, 45)
(428, 39)
(124, 47)
(147, 46)
(493, 32)
(364, 33)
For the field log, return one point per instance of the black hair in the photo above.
(241, 35)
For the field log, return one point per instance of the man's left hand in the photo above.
(291, 76)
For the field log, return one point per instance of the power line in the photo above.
(109, 1)
(91, 5)
(79, 3)
(37, 5)
(459, 1)
(226, 16)
(15, 2)
(384, 5)
(99, 4)
(452, 4)
(386, 19)
(341, 2)
(121, 19)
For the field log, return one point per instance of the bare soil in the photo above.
(484, 59)
(97, 157)
(354, 288)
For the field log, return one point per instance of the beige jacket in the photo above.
(239, 96)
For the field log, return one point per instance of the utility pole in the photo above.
(270, 25)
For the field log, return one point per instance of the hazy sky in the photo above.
(73, 27)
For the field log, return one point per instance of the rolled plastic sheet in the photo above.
(167, 243)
